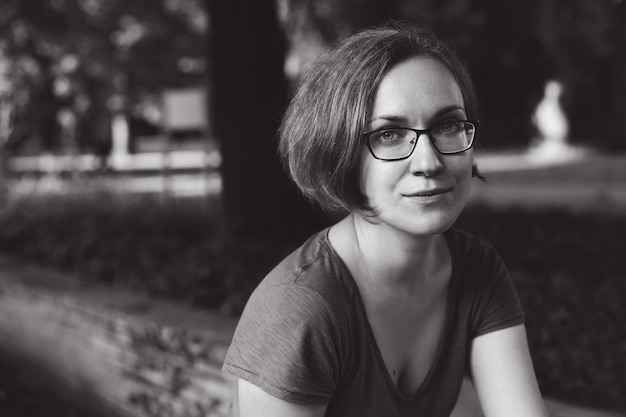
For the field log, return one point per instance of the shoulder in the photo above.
(471, 250)
(482, 275)
(287, 342)
(289, 338)
(487, 293)
(287, 304)
(306, 291)
(312, 273)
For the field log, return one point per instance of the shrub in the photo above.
(167, 247)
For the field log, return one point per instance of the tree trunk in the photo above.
(248, 92)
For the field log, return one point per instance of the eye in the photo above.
(448, 128)
(387, 136)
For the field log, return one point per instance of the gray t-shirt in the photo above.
(304, 335)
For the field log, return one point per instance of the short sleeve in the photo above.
(497, 304)
(285, 343)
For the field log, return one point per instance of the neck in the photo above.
(385, 259)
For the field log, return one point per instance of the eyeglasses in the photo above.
(395, 143)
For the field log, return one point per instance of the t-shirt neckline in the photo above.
(373, 344)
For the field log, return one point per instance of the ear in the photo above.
(476, 173)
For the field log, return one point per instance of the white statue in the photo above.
(553, 127)
(549, 117)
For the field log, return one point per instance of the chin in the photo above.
(435, 221)
(424, 225)
(432, 229)
(418, 220)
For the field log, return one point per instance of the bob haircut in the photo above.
(321, 135)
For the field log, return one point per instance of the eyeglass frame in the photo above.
(419, 133)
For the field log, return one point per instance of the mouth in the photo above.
(429, 193)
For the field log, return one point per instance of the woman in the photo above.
(385, 312)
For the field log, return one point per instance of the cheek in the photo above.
(463, 174)
(377, 177)
(462, 167)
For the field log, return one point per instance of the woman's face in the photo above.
(424, 193)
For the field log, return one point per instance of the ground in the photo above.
(18, 399)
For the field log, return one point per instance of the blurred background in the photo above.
(137, 146)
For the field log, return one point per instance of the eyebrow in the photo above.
(404, 119)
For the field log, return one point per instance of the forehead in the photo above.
(415, 88)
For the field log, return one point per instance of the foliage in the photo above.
(148, 244)
(512, 49)
(568, 268)
(85, 59)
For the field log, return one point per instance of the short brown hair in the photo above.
(321, 136)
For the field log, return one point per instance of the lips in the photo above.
(428, 193)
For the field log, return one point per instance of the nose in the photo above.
(425, 160)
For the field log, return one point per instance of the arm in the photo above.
(252, 401)
(503, 375)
